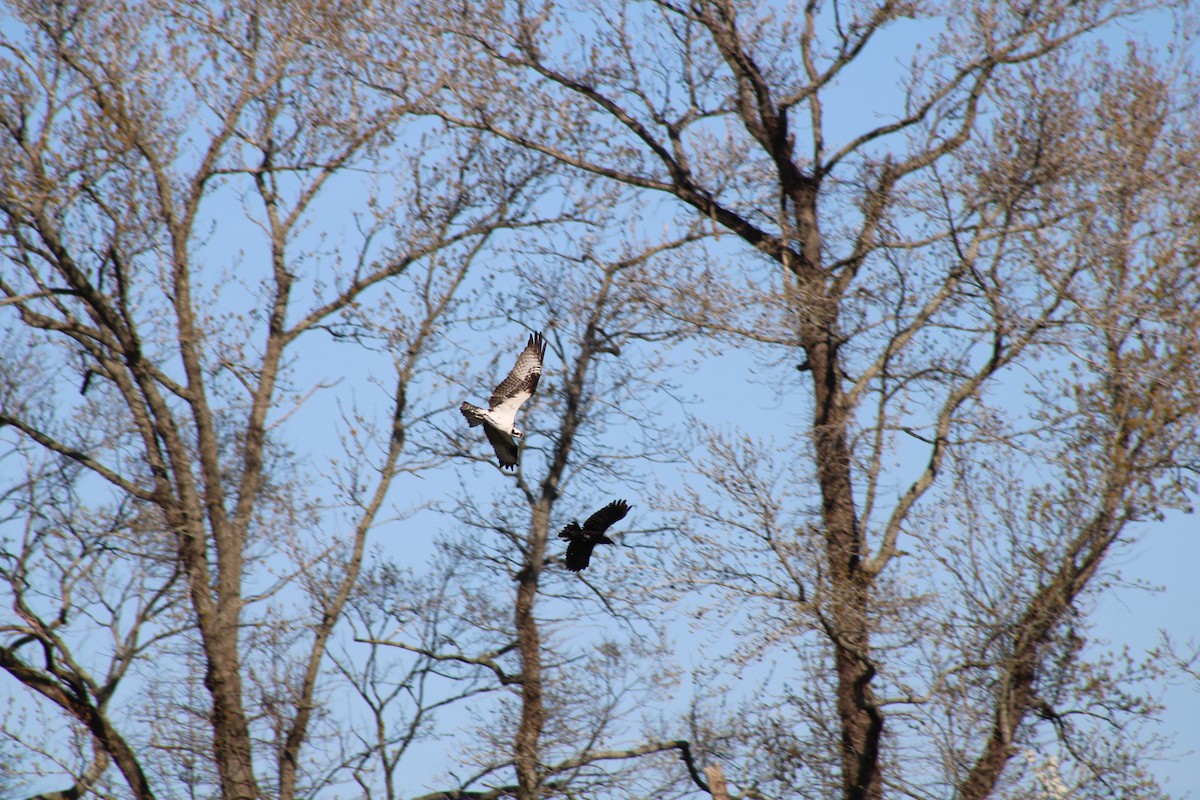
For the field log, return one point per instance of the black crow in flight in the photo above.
(581, 540)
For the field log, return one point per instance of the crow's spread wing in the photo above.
(579, 546)
(606, 516)
(579, 553)
(523, 379)
(503, 444)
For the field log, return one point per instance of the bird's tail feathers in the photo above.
(474, 414)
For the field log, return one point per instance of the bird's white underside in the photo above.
(504, 416)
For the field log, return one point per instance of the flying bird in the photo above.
(581, 540)
(498, 418)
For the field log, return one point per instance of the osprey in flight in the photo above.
(498, 418)
(582, 540)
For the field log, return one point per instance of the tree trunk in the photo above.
(860, 720)
(526, 744)
(847, 623)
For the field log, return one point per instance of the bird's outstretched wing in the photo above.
(606, 516)
(579, 547)
(504, 445)
(523, 379)
(579, 555)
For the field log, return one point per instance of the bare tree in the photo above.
(980, 287)
(236, 240)
(168, 243)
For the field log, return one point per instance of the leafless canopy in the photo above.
(253, 256)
